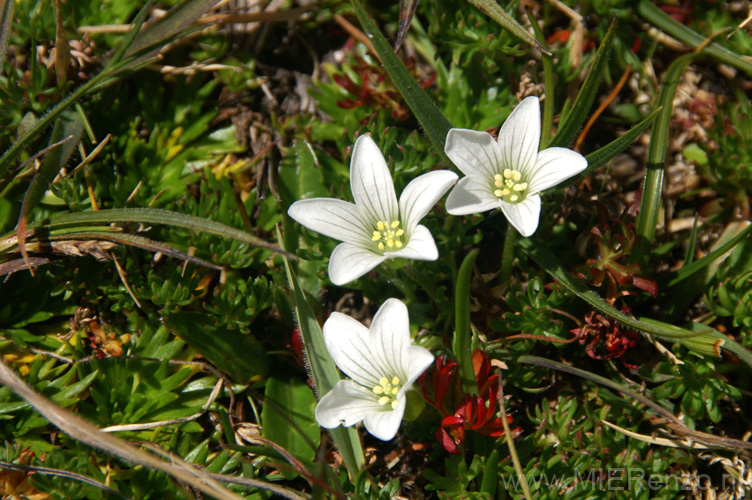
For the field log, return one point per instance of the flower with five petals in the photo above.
(510, 172)
(377, 226)
(382, 363)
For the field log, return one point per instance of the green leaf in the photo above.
(663, 21)
(462, 343)
(323, 370)
(610, 150)
(652, 188)
(686, 271)
(572, 122)
(68, 128)
(146, 216)
(434, 123)
(288, 417)
(495, 12)
(239, 355)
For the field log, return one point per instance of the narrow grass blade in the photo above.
(462, 343)
(177, 19)
(6, 23)
(571, 124)
(652, 187)
(686, 271)
(663, 21)
(126, 58)
(70, 127)
(323, 370)
(495, 12)
(434, 123)
(556, 269)
(159, 216)
(82, 430)
(609, 151)
(549, 85)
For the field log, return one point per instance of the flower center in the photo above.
(388, 235)
(508, 187)
(388, 391)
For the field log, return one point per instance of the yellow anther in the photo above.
(384, 381)
(384, 400)
(520, 187)
(516, 176)
(378, 389)
(514, 197)
(498, 193)
(507, 173)
(394, 404)
(388, 235)
(395, 381)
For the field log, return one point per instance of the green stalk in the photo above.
(510, 443)
(462, 344)
(507, 256)
(652, 187)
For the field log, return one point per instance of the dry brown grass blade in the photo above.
(602, 108)
(81, 430)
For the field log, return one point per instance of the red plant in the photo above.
(615, 240)
(605, 338)
(369, 87)
(461, 412)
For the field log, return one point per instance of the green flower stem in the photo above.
(507, 256)
(392, 277)
(425, 282)
(463, 335)
(510, 443)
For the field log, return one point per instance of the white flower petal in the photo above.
(349, 262)
(385, 424)
(420, 247)
(524, 216)
(475, 153)
(421, 195)
(371, 182)
(347, 404)
(519, 137)
(471, 197)
(420, 359)
(334, 218)
(554, 165)
(351, 348)
(390, 338)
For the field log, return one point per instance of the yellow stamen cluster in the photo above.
(389, 391)
(389, 235)
(508, 187)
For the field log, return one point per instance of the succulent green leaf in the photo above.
(288, 417)
(239, 355)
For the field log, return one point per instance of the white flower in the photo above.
(382, 363)
(508, 173)
(376, 227)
